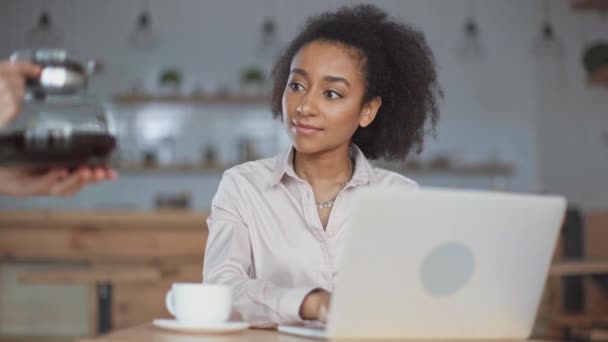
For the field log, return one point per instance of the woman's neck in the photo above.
(330, 167)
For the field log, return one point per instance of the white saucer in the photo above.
(208, 328)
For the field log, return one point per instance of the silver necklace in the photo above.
(329, 204)
(326, 204)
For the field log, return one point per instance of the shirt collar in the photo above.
(362, 174)
(283, 165)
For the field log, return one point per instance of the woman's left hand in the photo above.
(316, 306)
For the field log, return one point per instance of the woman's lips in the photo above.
(304, 128)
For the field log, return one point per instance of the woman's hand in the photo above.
(12, 87)
(316, 306)
(20, 181)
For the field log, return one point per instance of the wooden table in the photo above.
(148, 332)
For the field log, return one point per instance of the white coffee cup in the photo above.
(198, 303)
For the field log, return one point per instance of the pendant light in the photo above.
(143, 37)
(44, 33)
(547, 44)
(470, 47)
(269, 42)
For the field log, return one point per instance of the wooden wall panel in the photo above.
(135, 304)
(102, 237)
(171, 242)
(47, 310)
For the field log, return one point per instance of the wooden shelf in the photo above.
(178, 99)
(492, 170)
(598, 5)
(471, 171)
(587, 267)
(579, 320)
(99, 220)
(103, 237)
(180, 169)
(94, 275)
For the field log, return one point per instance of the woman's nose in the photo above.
(306, 106)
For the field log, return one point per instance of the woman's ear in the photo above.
(369, 111)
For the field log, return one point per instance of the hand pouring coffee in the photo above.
(59, 126)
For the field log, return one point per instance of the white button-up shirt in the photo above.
(266, 239)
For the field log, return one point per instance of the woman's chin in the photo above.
(306, 146)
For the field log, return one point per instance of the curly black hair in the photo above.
(398, 66)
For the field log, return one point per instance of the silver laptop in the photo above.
(442, 264)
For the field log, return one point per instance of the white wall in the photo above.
(493, 108)
(572, 115)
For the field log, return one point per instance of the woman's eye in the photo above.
(295, 86)
(332, 94)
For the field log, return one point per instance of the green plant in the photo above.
(171, 76)
(252, 75)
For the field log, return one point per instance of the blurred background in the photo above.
(187, 84)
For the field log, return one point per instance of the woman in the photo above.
(352, 85)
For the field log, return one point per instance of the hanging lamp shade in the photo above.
(44, 33)
(143, 37)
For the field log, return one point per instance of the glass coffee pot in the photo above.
(59, 125)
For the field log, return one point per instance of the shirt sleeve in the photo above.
(228, 261)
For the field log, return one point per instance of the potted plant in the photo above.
(170, 81)
(253, 80)
(595, 61)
